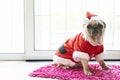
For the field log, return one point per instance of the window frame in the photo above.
(29, 35)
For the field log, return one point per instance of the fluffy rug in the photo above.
(51, 71)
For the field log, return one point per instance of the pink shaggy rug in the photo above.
(50, 71)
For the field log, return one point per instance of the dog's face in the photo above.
(95, 30)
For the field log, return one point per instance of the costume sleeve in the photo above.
(80, 54)
(79, 50)
(101, 55)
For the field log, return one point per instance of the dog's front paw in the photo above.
(87, 72)
(106, 68)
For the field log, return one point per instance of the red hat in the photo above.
(89, 15)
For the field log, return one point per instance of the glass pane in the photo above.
(90, 5)
(42, 7)
(11, 26)
(42, 32)
(117, 7)
(117, 33)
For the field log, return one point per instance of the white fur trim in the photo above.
(63, 61)
(86, 20)
(100, 56)
(77, 55)
(96, 18)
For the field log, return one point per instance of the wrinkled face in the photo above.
(96, 29)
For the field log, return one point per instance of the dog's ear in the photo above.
(104, 24)
(101, 24)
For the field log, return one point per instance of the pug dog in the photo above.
(81, 48)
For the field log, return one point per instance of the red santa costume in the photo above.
(78, 47)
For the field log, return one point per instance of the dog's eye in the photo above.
(89, 27)
(100, 25)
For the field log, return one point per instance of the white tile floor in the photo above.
(19, 70)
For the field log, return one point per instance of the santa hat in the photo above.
(90, 16)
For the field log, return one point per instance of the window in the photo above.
(12, 26)
(57, 20)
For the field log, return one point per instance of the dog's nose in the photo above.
(94, 27)
(95, 32)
